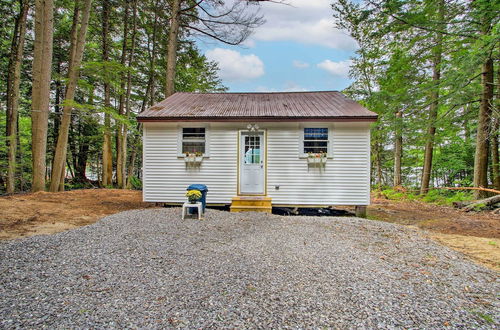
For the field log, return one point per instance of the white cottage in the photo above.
(254, 150)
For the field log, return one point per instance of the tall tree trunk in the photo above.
(120, 170)
(398, 148)
(150, 91)
(13, 82)
(433, 108)
(76, 54)
(107, 152)
(57, 102)
(495, 168)
(173, 35)
(124, 126)
(148, 95)
(378, 165)
(42, 67)
(483, 128)
(129, 92)
(133, 155)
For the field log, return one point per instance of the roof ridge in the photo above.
(285, 92)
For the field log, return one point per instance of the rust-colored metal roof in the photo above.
(291, 106)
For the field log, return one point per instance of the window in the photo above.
(252, 149)
(193, 140)
(315, 140)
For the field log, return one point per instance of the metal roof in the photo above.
(286, 106)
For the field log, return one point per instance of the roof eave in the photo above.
(259, 119)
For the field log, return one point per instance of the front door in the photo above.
(252, 163)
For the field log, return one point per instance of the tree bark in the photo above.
(120, 170)
(129, 91)
(122, 160)
(76, 54)
(173, 35)
(483, 128)
(495, 166)
(433, 108)
(13, 82)
(42, 65)
(150, 91)
(107, 152)
(398, 148)
(482, 204)
(133, 156)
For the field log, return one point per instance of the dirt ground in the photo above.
(474, 234)
(47, 213)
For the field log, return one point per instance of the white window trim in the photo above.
(194, 125)
(329, 153)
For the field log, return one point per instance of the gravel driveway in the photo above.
(147, 268)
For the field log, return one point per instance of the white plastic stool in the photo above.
(188, 205)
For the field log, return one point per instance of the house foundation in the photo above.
(360, 211)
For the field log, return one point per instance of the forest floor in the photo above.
(475, 234)
(42, 213)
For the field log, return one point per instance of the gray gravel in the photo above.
(149, 269)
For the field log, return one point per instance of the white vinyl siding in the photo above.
(166, 176)
(344, 180)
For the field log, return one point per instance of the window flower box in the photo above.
(316, 158)
(193, 158)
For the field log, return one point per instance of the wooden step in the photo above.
(251, 204)
(252, 198)
(250, 208)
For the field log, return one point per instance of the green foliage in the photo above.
(435, 196)
(392, 71)
(195, 73)
(136, 183)
(488, 318)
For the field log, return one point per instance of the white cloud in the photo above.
(340, 69)
(234, 66)
(304, 21)
(289, 86)
(300, 65)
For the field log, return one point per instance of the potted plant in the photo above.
(316, 158)
(193, 196)
(311, 157)
(193, 157)
(323, 157)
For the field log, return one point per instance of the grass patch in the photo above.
(436, 196)
(485, 317)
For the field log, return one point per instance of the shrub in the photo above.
(135, 183)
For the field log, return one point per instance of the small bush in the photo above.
(436, 196)
(136, 183)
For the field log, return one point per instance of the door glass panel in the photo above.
(252, 149)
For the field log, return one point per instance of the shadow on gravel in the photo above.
(309, 211)
(295, 211)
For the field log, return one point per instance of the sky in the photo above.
(297, 49)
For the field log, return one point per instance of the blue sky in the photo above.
(297, 49)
